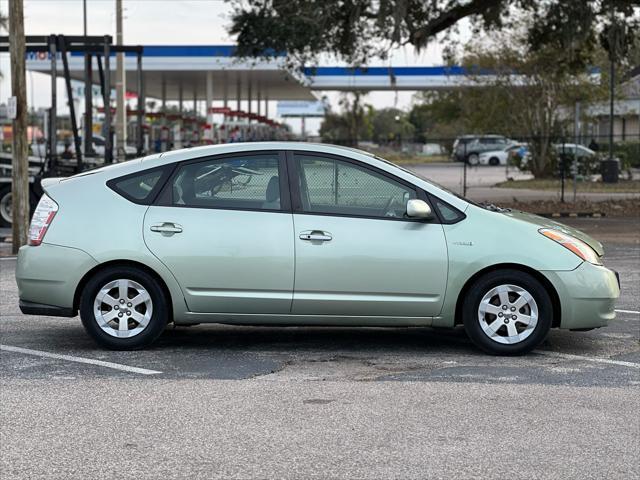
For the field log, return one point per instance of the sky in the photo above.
(161, 22)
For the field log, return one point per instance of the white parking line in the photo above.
(70, 358)
(8, 258)
(628, 311)
(570, 356)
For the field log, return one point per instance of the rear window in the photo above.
(139, 187)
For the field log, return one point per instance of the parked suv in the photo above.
(470, 147)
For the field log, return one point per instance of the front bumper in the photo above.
(587, 295)
(47, 277)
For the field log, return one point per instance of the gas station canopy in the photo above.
(176, 72)
(173, 72)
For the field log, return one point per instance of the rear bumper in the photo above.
(31, 308)
(587, 295)
(47, 277)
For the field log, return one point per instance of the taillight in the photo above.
(42, 218)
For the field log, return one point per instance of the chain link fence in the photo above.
(562, 163)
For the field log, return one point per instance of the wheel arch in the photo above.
(126, 263)
(548, 286)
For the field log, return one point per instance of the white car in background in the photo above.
(500, 157)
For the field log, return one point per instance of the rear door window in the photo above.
(247, 182)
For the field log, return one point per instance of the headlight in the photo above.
(581, 249)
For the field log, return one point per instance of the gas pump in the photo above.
(164, 138)
(177, 135)
(208, 134)
(195, 134)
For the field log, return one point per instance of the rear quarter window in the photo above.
(139, 187)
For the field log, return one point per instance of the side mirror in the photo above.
(419, 209)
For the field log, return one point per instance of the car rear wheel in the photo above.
(507, 312)
(123, 308)
(473, 159)
(5, 206)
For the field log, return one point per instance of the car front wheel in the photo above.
(507, 312)
(473, 159)
(123, 308)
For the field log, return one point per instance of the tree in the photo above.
(445, 114)
(352, 125)
(358, 30)
(533, 94)
(391, 126)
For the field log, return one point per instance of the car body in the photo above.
(501, 157)
(469, 147)
(300, 234)
(569, 151)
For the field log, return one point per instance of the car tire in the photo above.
(493, 161)
(507, 312)
(6, 203)
(123, 308)
(473, 159)
(5, 206)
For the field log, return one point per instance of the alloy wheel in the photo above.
(123, 308)
(508, 314)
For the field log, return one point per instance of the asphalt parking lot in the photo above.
(246, 402)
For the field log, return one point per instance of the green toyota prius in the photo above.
(300, 234)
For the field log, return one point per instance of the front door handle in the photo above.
(166, 228)
(315, 236)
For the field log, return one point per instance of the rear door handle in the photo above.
(166, 228)
(315, 236)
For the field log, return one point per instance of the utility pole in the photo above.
(121, 113)
(612, 77)
(576, 132)
(20, 160)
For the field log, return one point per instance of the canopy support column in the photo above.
(209, 105)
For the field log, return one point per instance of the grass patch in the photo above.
(623, 186)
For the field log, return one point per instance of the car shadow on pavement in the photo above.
(294, 339)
